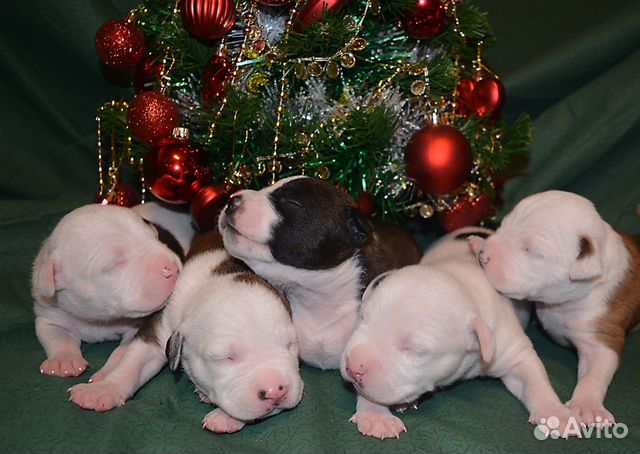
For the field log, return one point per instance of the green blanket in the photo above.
(573, 65)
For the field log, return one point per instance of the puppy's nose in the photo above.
(233, 204)
(275, 393)
(169, 270)
(356, 370)
(482, 258)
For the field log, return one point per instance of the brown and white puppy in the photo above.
(100, 271)
(232, 333)
(308, 239)
(555, 249)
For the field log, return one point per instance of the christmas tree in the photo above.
(390, 100)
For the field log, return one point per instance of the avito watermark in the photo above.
(548, 428)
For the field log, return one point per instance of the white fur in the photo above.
(238, 338)
(101, 270)
(428, 325)
(324, 303)
(534, 255)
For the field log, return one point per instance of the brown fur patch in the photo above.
(230, 266)
(586, 248)
(390, 247)
(623, 313)
(250, 278)
(203, 242)
(147, 332)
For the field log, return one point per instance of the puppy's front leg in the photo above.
(376, 420)
(114, 358)
(140, 361)
(528, 381)
(64, 358)
(596, 366)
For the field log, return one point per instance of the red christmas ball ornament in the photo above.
(214, 79)
(208, 19)
(466, 212)
(147, 73)
(175, 169)
(426, 19)
(206, 206)
(123, 194)
(120, 44)
(152, 116)
(438, 158)
(484, 97)
(312, 12)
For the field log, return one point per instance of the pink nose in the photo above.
(274, 393)
(355, 370)
(169, 269)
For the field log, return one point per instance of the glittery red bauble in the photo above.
(426, 19)
(123, 195)
(214, 79)
(365, 203)
(152, 116)
(312, 11)
(176, 169)
(208, 19)
(466, 212)
(120, 44)
(147, 73)
(206, 206)
(481, 97)
(438, 158)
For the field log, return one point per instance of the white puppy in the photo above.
(100, 271)
(231, 331)
(555, 249)
(425, 326)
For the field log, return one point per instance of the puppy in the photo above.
(308, 239)
(232, 333)
(555, 249)
(425, 326)
(100, 271)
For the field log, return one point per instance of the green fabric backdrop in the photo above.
(573, 65)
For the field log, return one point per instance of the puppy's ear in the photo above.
(484, 339)
(45, 269)
(375, 283)
(358, 227)
(475, 243)
(173, 350)
(587, 264)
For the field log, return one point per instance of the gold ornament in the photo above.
(426, 211)
(252, 54)
(256, 81)
(350, 22)
(323, 173)
(359, 44)
(301, 71)
(333, 70)
(314, 69)
(348, 60)
(418, 87)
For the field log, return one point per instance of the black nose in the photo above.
(233, 204)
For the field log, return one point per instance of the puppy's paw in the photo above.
(379, 425)
(554, 419)
(591, 413)
(220, 422)
(64, 366)
(101, 396)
